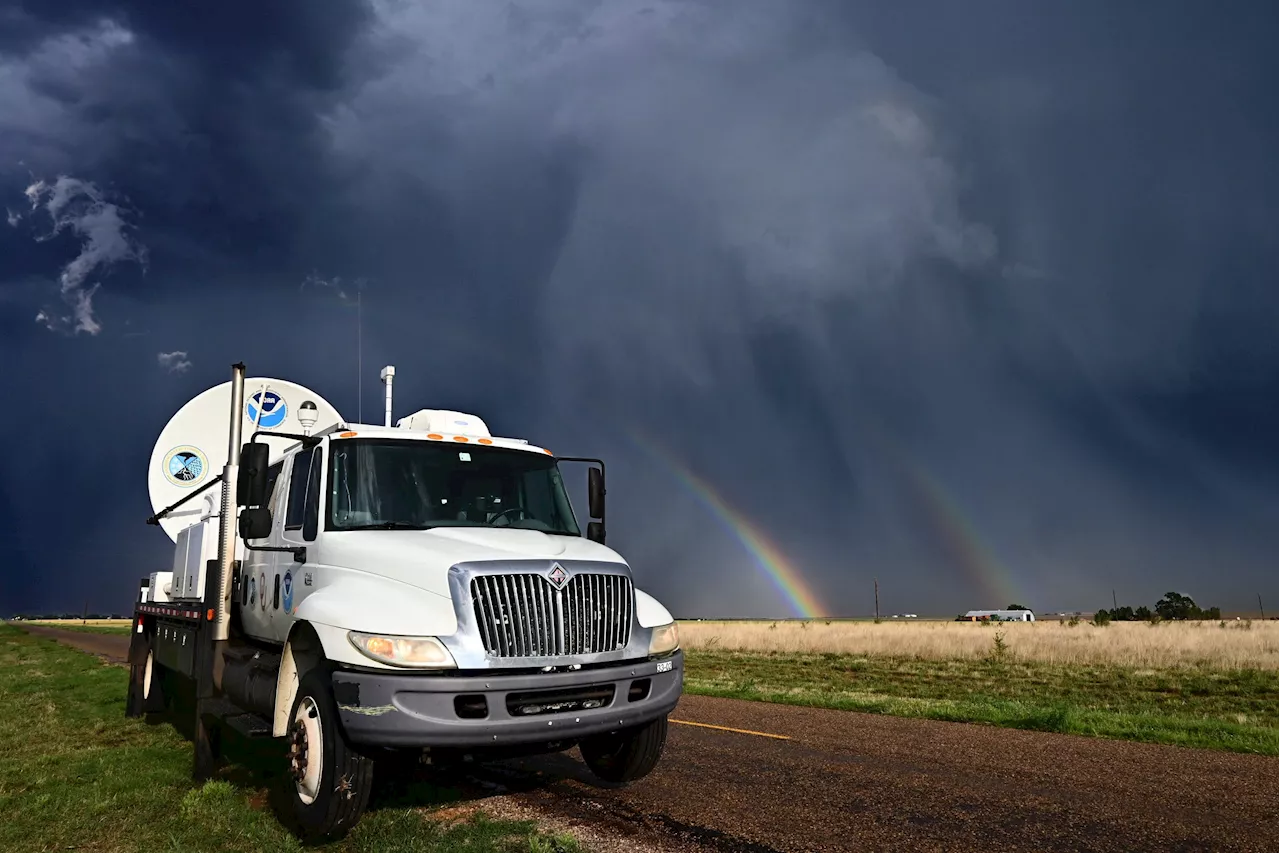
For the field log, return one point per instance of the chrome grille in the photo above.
(523, 615)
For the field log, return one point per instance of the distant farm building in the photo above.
(998, 616)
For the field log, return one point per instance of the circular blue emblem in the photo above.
(274, 409)
(287, 589)
(184, 466)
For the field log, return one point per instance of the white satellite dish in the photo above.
(192, 447)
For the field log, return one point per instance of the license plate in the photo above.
(664, 666)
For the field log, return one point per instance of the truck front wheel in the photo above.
(329, 781)
(625, 755)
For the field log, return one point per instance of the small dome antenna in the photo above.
(307, 416)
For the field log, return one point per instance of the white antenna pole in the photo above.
(359, 356)
(257, 410)
(387, 375)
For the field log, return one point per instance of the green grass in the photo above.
(1232, 710)
(75, 774)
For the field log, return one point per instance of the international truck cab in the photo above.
(419, 589)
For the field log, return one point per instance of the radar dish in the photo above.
(192, 447)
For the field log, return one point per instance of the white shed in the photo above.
(1001, 615)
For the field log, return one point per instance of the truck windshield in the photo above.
(394, 484)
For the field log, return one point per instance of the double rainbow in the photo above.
(773, 564)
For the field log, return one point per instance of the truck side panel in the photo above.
(175, 646)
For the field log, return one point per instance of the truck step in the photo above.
(247, 724)
(250, 725)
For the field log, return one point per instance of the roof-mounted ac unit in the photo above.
(444, 422)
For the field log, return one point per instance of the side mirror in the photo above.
(595, 493)
(595, 531)
(251, 483)
(255, 523)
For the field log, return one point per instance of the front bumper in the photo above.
(413, 710)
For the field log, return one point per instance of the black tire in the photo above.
(328, 802)
(625, 755)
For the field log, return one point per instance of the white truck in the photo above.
(369, 592)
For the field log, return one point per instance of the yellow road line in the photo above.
(727, 729)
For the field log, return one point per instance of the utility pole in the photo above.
(1262, 612)
(84, 615)
(876, 581)
(1114, 606)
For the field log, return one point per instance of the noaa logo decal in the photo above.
(274, 409)
(185, 466)
(558, 576)
(287, 589)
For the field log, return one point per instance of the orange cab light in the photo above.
(347, 435)
(210, 615)
(485, 441)
(461, 438)
(435, 436)
(548, 452)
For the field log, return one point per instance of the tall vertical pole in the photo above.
(877, 583)
(227, 519)
(1114, 606)
(359, 356)
(388, 376)
(215, 615)
(1261, 612)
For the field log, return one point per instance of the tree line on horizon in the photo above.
(1174, 606)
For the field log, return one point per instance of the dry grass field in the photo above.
(1243, 644)
(1199, 684)
(71, 623)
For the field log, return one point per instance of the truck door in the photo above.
(301, 524)
(256, 564)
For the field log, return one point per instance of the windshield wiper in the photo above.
(389, 525)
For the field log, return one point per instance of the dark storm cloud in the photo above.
(209, 118)
(291, 43)
(969, 300)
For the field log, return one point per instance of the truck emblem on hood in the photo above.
(557, 576)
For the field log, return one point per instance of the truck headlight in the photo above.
(426, 652)
(664, 639)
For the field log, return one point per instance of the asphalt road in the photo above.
(802, 779)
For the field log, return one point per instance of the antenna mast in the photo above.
(359, 356)
(387, 376)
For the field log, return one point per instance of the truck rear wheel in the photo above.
(329, 781)
(625, 755)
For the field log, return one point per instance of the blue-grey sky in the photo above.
(977, 299)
